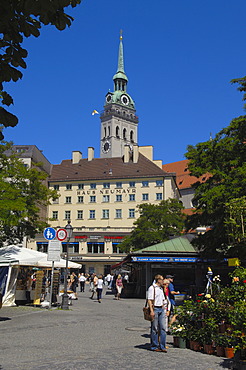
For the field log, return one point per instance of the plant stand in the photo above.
(182, 343)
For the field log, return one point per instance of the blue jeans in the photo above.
(158, 327)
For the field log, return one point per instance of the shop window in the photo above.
(95, 248)
(116, 248)
(42, 247)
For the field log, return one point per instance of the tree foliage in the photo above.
(242, 86)
(224, 158)
(155, 224)
(22, 193)
(20, 19)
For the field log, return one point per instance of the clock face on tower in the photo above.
(106, 146)
(109, 98)
(124, 99)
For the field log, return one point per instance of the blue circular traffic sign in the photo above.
(49, 233)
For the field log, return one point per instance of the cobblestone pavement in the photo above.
(90, 335)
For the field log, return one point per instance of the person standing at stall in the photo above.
(156, 302)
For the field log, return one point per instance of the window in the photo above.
(67, 215)
(158, 196)
(80, 199)
(106, 185)
(68, 186)
(92, 199)
(132, 197)
(159, 182)
(105, 213)
(80, 215)
(105, 198)
(108, 130)
(118, 213)
(132, 213)
(92, 214)
(93, 186)
(55, 215)
(116, 248)
(68, 199)
(80, 186)
(95, 247)
(117, 132)
(56, 187)
(105, 132)
(118, 198)
(119, 185)
(132, 184)
(131, 136)
(42, 247)
(145, 196)
(145, 184)
(124, 134)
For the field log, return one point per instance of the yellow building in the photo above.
(100, 195)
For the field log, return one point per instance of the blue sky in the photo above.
(180, 56)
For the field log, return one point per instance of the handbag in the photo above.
(146, 310)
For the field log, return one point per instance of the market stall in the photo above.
(29, 276)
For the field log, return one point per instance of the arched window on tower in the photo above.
(117, 132)
(105, 132)
(124, 134)
(108, 130)
(132, 136)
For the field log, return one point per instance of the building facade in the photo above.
(100, 195)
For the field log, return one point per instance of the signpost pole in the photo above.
(51, 283)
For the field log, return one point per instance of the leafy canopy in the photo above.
(20, 19)
(155, 224)
(224, 158)
(22, 194)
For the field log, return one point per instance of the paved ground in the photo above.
(90, 335)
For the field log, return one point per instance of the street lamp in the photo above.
(64, 305)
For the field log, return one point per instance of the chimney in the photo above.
(77, 156)
(126, 154)
(90, 153)
(135, 153)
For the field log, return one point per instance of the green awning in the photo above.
(176, 245)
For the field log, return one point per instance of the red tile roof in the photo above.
(105, 169)
(183, 178)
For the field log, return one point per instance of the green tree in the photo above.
(224, 158)
(22, 194)
(155, 224)
(20, 19)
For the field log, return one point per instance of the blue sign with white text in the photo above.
(49, 233)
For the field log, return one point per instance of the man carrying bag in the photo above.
(156, 301)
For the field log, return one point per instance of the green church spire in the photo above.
(120, 78)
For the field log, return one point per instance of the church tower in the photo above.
(119, 123)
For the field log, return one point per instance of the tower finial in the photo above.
(121, 32)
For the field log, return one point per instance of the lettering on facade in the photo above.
(107, 191)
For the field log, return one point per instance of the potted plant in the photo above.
(220, 341)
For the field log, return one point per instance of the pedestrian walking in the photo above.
(99, 288)
(82, 280)
(156, 302)
(94, 286)
(171, 291)
(119, 286)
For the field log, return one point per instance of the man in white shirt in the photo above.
(82, 280)
(156, 302)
